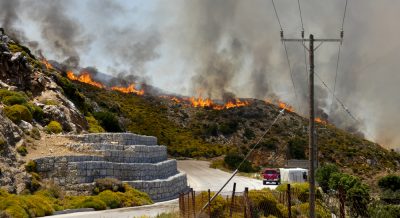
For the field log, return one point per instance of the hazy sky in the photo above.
(214, 47)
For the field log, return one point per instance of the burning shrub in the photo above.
(17, 112)
(54, 127)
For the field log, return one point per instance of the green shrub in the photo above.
(297, 146)
(218, 205)
(323, 175)
(35, 133)
(17, 112)
(229, 127)
(132, 197)
(94, 126)
(265, 202)
(248, 133)
(301, 189)
(3, 143)
(22, 150)
(391, 182)
(26, 206)
(303, 210)
(111, 184)
(383, 211)
(357, 193)
(37, 113)
(233, 160)
(108, 121)
(111, 199)
(31, 166)
(14, 99)
(75, 202)
(54, 127)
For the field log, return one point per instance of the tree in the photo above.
(356, 192)
(323, 175)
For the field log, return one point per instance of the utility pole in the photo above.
(311, 143)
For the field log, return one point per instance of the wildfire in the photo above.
(207, 102)
(319, 120)
(85, 78)
(200, 102)
(47, 64)
(285, 106)
(176, 100)
(130, 89)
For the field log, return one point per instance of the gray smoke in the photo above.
(233, 46)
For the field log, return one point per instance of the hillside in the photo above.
(46, 94)
(204, 132)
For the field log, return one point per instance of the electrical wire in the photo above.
(287, 57)
(338, 56)
(281, 112)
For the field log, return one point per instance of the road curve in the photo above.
(200, 177)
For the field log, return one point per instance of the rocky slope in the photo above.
(29, 100)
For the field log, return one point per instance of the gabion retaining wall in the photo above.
(131, 158)
(117, 138)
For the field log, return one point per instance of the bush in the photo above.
(26, 205)
(94, 126)
(302, 210)
(111, 199)
(357, 193)
(108, 121)
(391, 182)
(37, 113)
(17, 112)
(75, 202)
(111, 184)
(218, 205)
(233, 160)
(54, 127)
(30, 166)
(132, 197)
(248, 133)
(302, 190)
(297, 147)
(266, 203)
(323, 175)
(229, 127)
(22, 150)
(14, 99)
(3, 142)
(384, 211)
(35, 133)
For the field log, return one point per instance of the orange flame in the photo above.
(207, 102)
(46, 64)
(200, 102)
(130, 89)
(85, 78)
(319, 120)
(176, 99)
(285, 106)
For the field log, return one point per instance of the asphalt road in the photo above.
(200, 177)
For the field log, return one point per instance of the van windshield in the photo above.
(270, 172)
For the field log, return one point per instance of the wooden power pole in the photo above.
(311, 131)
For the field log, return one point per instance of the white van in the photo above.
(289, 175)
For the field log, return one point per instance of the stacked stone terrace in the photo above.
(134, 159)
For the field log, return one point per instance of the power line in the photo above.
(302, 36)
(301, 17)
(276, 14)
(281, 112)
(287, 57)
(338, 56)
